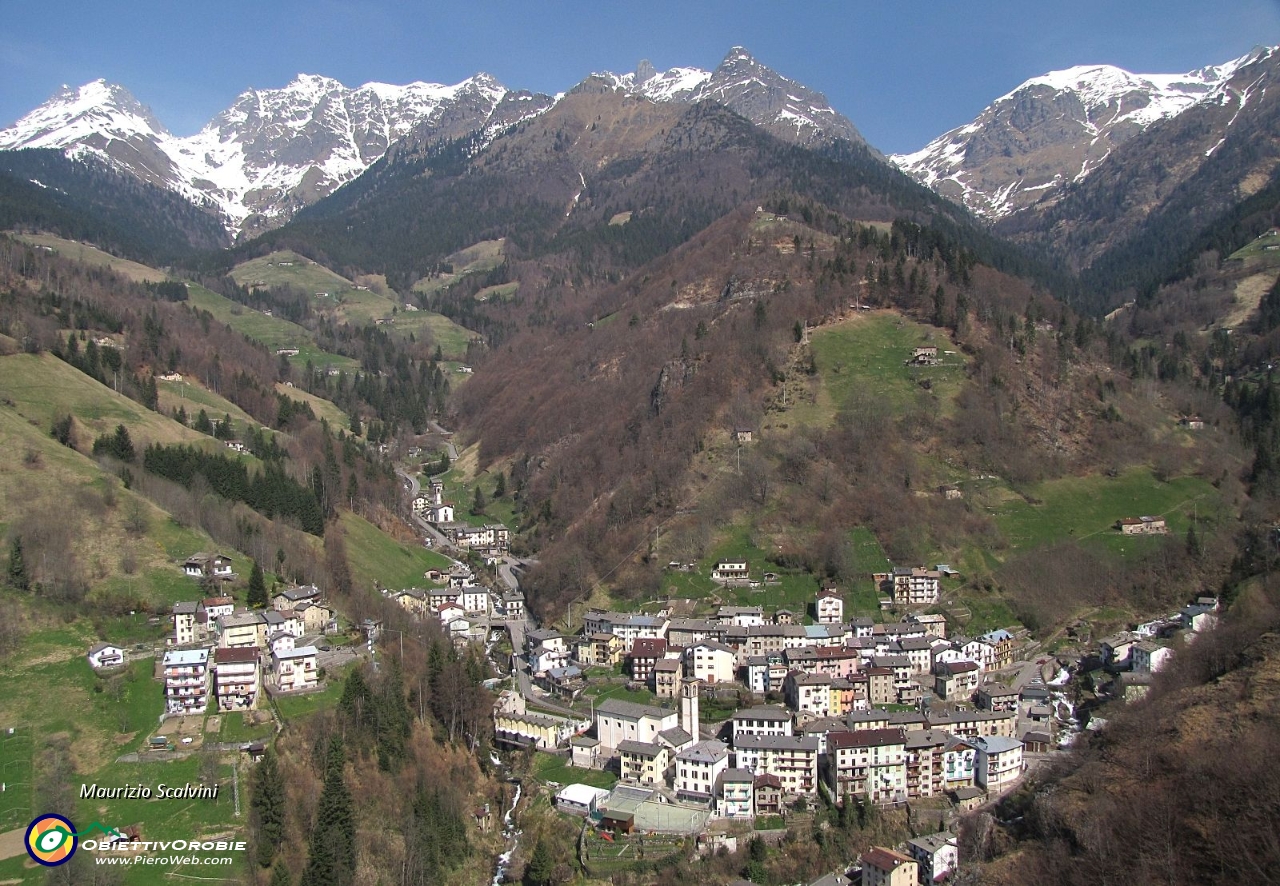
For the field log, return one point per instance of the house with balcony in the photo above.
(910, 586)
(296, 670)
(241, 629)
(871, 763)
(735, 794)
(237, 677)
(103, 656)
(937, 854)
(186, 680)
(829, 607)
(205, 565)
(793, 759)
(999, 763)
(698, 768)
(643, 762)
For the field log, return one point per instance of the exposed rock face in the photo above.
(275, 151)
(1027, 147)
(785, 108)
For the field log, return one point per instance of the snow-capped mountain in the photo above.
(272, 152)
(276, 150)
(1054, 130)
(788, 109)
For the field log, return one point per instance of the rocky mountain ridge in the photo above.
(1030, 145)
(276, 150)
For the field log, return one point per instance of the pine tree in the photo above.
(257, 597)
(280, 875)
(266, 808)
(332, 857)
(394, 722)
(479, 504)
(542, 865)
(500, 488)
(203, 425)
(18, 577)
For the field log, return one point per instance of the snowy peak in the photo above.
(274, 151)
(74, 112)
(786, 108)
(1055, 129)
(270, 153)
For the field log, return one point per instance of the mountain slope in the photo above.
(553, 184)
(276, 150)
(85, 199)
(783, 107)
(1053, 130)
(1129, 223)
(272, 151)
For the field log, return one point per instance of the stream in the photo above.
(511, 835)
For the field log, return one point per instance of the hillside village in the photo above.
(731, 718)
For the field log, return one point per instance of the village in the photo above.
(805, 708)
(708, 723)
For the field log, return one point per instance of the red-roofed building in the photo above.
(884, 867)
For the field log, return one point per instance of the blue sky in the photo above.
(903, 71)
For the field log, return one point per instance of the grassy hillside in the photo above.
(122, 546)
(378, 559)
(274, 332)
(867, 355)
(288, 268)
(91, 255)
(339, 298)
(1087, 508)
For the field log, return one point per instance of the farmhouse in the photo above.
(1142, 526)
(731, 572)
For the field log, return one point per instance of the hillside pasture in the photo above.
(91, 255)
(286, 268)
(1086, 508)
(866, 355)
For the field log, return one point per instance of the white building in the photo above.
(731, 572)
(579, 799)
(937, 854)
(105, 655)
(618, 721)
(999, 762)
(735, 796)
(870, 763)
(762, 720)
(187, 619)
(186, 680)
(296, 669)
(710, 662)
(1149, 657)
(914, 586)
(698, 768)
(794, 760)
(809, 693)
(829, 607)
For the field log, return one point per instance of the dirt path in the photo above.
(11, 843)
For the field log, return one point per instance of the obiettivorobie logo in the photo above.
(52, 839)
